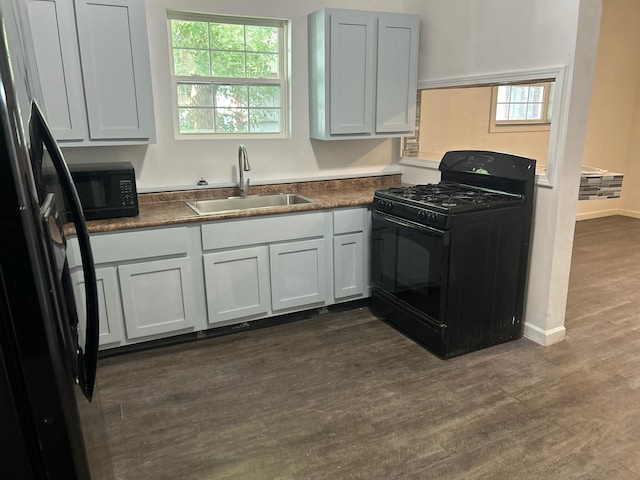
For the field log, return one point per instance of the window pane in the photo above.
(231, 96)
(519, 94)
(232, 120)
(189, 34)
(195, 95)
(226, 36)
(260, 96)
(536, 94)
(227, 64)
(518, 111)
(502, 111)
(265, 120)
(262, 65)
(262, 39)
(534, 111)
(503, 94)
(195, 120)
(191, 62)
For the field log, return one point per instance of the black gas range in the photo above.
(449, 260)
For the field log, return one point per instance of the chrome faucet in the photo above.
(243, 166)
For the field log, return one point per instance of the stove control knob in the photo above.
(422, 215)
(432, 218)
(389, 205)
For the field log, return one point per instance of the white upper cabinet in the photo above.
(397, 73)
(56, 45)
(362, 74)
(93, 63)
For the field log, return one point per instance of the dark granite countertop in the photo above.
(168, 208)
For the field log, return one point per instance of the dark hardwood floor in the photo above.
(345, 396)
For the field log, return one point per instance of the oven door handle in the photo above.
(434, 232)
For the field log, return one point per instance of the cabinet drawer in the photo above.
(348, 221)
(134, 245)
(235, 233)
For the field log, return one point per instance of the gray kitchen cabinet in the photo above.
(93, 63)
(363, 70)
(298, 274)
(349, 254)
(237, 283)
(109, 305)
(263, 266)
(56, 47)
(160, 282)
(149, 283)
(157, 297)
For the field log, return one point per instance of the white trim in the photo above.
(559, 112)
(544, 337)
(599, 214)
(492, 78)
(629, 213)
(420, 163)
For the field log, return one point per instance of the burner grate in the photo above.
(449, 195)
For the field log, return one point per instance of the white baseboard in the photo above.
(544, 337)
(598, 214)
(607, 213)
(629, 213)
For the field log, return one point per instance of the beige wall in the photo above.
(630, 199)
(613, 125)
(458, 118)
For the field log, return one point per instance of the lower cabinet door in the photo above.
(157, 297)
(237, 283)
(348, 265)
(109, 306)
(298, 273)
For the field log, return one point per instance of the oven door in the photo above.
(409, 264)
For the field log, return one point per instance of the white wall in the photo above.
(171, 163)
(462, 38)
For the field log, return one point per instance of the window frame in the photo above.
(282, 81)
(533, 125)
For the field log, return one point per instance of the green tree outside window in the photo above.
(228, 75)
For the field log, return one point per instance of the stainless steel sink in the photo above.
(219, 205)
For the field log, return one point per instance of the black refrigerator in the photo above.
(51, 421)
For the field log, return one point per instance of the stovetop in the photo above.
(450, 196)
(432, 204)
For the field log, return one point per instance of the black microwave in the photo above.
(106, 190)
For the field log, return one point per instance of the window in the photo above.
(229, 75)
(522, 104)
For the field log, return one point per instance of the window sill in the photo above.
(522, 127)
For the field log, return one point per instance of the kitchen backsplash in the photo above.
(600, 186)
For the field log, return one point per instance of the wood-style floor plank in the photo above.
(344, 396)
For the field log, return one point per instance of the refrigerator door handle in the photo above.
(88, 360)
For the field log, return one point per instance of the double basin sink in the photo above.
(232, 204)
